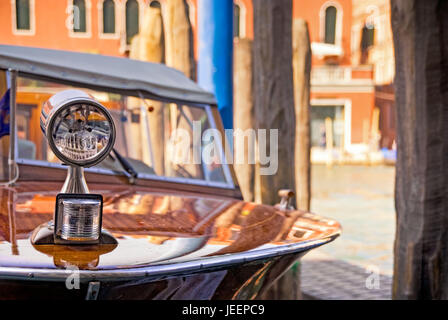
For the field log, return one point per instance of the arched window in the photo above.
(131, 20)
(330, 25)
(79, 16)
(155, 4)
(236, 20)
(239, 19)
(108, 16)
(23, 15)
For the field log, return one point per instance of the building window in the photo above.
(239, 20)
(132, 22)
(155, 4)
(330, 15)
(330, 25)
(367, 41)
(23, 21)
(367, 37)
(79, 16)
(108, 16)
(22, 17)
(236, 20)
(320, 125)
(331, 115)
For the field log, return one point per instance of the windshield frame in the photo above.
(227, 170)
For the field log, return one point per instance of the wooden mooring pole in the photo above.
(274, 109)
(420, 33)
(301, 74)
(243, 116)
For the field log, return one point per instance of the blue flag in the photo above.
(4, 115)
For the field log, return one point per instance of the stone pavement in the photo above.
(326, 278)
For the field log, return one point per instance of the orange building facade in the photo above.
(342, 88)
(51, 26)
(339, 91)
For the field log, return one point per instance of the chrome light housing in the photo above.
(81, 133)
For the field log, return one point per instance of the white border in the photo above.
(101, 34)
(338, 29)
(347, 103)
(22, 32)
(88, 33)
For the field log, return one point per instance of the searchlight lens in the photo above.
(81, 132)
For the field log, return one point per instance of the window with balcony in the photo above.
(330, 25)
(330, 29)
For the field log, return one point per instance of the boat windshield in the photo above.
(156, 138)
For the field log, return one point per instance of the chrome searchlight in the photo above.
(81, 133)
(79, 130)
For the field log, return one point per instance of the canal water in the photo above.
(361, 198)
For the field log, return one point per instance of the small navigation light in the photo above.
(80, 217)
(81, 133)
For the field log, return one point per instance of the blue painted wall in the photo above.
(215, 62)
